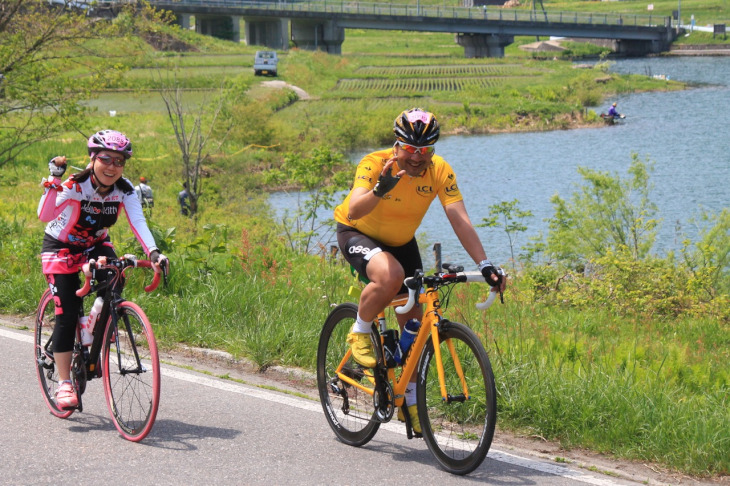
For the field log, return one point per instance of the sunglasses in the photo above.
(413, 149)
(106, 160)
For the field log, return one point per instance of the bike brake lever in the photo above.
(165, 268)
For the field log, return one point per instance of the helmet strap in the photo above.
(96, 182)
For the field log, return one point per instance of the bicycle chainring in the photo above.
(383, 402)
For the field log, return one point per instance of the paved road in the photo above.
(214, 431)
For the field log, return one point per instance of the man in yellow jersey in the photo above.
(377, 223)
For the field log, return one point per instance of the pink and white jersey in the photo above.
(79, 217)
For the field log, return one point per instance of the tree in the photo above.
(608, 214)
(508, 215)
(320, 177)
(709, 260)
(40, 45)
(193, 127)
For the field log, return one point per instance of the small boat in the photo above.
(612, 119)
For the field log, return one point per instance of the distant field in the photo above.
(446, 70)
(412, 80)
(406, 86)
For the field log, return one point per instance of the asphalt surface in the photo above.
(217, 431)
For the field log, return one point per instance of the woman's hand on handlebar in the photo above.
(160, 263)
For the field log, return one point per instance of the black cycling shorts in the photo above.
(358, 248)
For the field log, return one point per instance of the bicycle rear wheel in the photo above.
(348, 409)
(45, 321)
(458, 431)
(131, 370)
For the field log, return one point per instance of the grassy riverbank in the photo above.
(629, 360)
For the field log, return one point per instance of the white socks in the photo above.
(362, 326)
(411, 394)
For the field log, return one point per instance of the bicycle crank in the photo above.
(383, 402)
(78, 369)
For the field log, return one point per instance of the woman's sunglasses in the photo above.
(106, 160)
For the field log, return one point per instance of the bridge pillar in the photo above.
(226, 27)
(269, 32)
(322, 35)
(183, 20)
(484, 45)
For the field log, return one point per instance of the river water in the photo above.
(684, 133)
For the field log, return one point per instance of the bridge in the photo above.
(483, 31)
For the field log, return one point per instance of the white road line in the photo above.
(26, 338)
(233, 387)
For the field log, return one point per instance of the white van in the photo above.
(265, 63)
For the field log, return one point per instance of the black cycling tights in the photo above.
(64, 287)
(68, 305)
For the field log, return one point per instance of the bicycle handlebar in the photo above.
(414, 285)
(120, 264)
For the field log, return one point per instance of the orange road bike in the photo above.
(123, 353)
(456, 394)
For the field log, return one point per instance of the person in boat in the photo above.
(613, 112)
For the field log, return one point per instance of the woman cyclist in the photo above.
(377, 223)
(79, 213)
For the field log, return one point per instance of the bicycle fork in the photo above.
(442, 325)
(116, 337)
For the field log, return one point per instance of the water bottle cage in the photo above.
(390, 343)
(404, 357)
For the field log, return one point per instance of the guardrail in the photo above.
(434, 12)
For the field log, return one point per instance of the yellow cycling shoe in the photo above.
(413, 412)
(362, 349)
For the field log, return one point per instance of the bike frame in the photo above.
(113, 286)
(107, 316)
(429, 328)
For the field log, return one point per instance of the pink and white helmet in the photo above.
(110, 140)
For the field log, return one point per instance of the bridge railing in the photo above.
(490, 13)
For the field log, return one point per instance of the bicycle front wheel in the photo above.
(349, 409)
(131, 372)
(459, 429)
(45, 322)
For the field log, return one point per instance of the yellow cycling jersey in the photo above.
(398, 215)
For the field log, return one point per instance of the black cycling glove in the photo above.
(385, 184)
(157, 257)
(487, 269)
